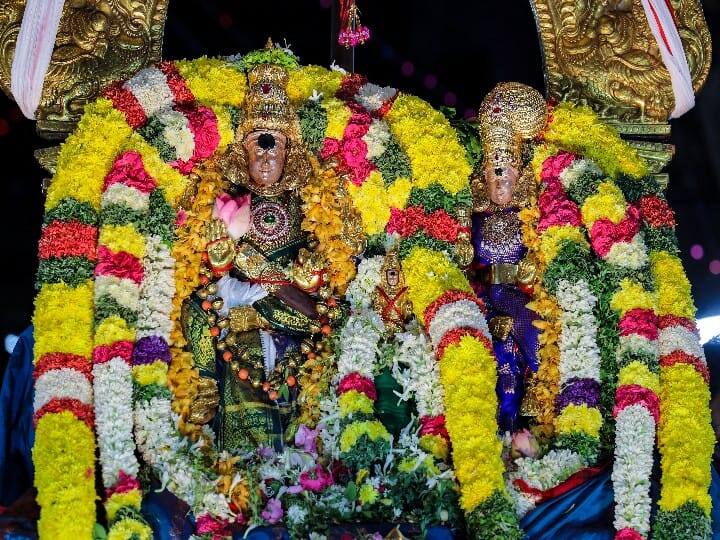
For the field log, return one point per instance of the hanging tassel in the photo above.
(352, 32)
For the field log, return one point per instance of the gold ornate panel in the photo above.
(602, 53)
(98, 41)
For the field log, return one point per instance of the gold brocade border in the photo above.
(187, 253)
(545, 385)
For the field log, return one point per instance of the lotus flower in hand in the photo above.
(234, 212)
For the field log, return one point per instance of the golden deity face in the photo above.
(266, 152)
(392, 276)
(501, 182)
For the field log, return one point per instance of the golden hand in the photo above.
(220, 247)
(205, 404)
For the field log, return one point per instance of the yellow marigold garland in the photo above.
(213, 81)
(578, 129)
(468, 375)
(331, 218)
(187, 253)
(430, 142)
(308, 79)
(546, 382)
(64, 458)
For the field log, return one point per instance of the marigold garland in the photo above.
(187, 252)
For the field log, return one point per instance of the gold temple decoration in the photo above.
(390, 299)
(602, 53)
(98, 41)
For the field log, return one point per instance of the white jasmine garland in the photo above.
(367, 278)
(150, 88)
(372, 97)
(579, 352)
(421, 376)
(171, 455)
(114, 419)
(458, 314)
(552, 469)
(632, 255)
(62, 383)
(679, 338)
(634, 443)
(157, 291)
(544, 473)
(127, 196)
(359, 340)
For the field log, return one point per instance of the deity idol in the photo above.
(511, 113)
(245, 325)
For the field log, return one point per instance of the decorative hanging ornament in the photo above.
(352, 32)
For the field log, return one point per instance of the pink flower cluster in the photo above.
(555, 207)
(352, 149)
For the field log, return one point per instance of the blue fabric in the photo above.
(16, 430)
(587, 512)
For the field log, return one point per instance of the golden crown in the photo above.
(267, 105)
(510, 113)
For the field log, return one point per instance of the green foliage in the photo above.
(70, 209)
(687, 522)
(494, 518)
(70, 270)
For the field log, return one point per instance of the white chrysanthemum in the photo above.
(635, 343)
(634, 443)
(372, 97)
(62, 383)
(126, 196)
(177, 133)
(459, 314)
(679, 338)
(632, 255)
(150, 88)
(576, 169)
(124, 291)
(113, 387)
(367, 278)
(377, 138)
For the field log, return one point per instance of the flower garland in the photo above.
(568, 276)
(546, 386)
(119, 275)
(685, 436)
(630, 238)
(614, 230)
(363, 439)
(330, 218)
(454, 319)
(64, 450)
(419, 380)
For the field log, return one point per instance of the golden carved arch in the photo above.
(98, 41)
(602, 53)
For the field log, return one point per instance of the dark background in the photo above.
(449, 53)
